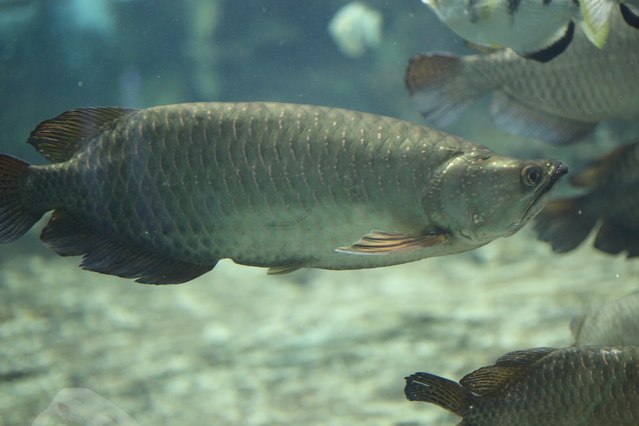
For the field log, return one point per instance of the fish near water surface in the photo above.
(559, 102)
(162, 194)
(615, 323)
(535, 29)
(581, 386)
(612, 199)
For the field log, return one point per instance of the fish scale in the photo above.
(162, 194)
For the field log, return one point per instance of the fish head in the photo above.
(482, 195)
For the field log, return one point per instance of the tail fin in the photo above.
(442, 86)
(15, 218)
(439, 391)
(564, 224)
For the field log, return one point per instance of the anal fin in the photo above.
(380, 242)
(68, 237)
(286, 268)
(514, 117)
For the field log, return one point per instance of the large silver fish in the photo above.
(581, 386)
(559, 102)
(535, 29)
(612, 199)
(162, 194)
(615, 323)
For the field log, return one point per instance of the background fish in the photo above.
(534, 29)
(162, 194)
(615, 323)
(559, 102)
(613, 200)
(585, 386)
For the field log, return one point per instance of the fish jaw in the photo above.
(483, 196)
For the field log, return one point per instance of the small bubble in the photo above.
(80, 83)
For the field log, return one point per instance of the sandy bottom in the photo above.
(238, 347)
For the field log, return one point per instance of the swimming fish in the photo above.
(612, 199)
(539, 30)
(615, 323)
(585, 386)
(161, 194)
(559, 102)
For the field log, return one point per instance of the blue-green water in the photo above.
(237, 347)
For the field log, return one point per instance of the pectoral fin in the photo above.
(380, 242)
(596, 23)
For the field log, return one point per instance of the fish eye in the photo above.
(531, 175)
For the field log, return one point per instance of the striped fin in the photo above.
(59, 138)
(380, 242)
(596, 23)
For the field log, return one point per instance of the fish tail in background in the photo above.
(614, 239)
(441, 86)
(15, 217)
(564, 224)
(514, 117)
(439, 391)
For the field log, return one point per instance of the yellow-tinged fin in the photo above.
(106, 254)
(380, 242)
(596, 19)
(286, 268)
(509, 368)
(439, 391)
(15, 217)
(59, 138)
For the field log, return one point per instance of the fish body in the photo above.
(162, 194)
(585, 386)
(534, 29)
(559, 102)
(616, 323)
(612, 199)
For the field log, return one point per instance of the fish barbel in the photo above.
(162, 194)
(580, 386)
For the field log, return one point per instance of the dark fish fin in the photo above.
(380, 242)
(564, 224)
(494, 379)
(595, 175)
(576, 323)
(630, 14)
(15, 218)
(556, 48)
(440, 87)
(58, 139)
(439, 391)
(68, 237)
(286, 268)
(514, 117)
(614, 239)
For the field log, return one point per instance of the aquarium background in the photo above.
(238, 347)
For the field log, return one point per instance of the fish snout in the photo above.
(560, 170)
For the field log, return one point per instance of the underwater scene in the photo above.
(323, 212)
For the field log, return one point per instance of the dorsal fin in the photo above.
(58, 139)
(576, 324)
(494, 379)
